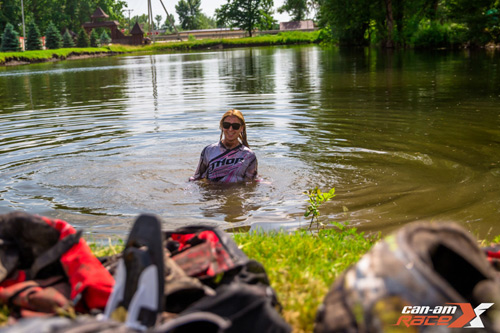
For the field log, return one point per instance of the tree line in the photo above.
(388, 23)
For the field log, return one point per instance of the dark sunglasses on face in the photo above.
(236, 126)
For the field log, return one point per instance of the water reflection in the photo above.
(234, 202)
(402, 136)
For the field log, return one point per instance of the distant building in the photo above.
(98, 20)
(297, 25)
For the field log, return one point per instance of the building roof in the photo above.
(136, 30)
(99, 13)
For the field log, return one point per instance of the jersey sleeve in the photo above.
(251, 171)
(201, 170)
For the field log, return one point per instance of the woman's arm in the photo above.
(202, 167)
(251, 171)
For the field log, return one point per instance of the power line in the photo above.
(129, 10)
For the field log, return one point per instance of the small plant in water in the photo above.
(316, 199)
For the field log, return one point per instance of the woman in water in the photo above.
(229, 160)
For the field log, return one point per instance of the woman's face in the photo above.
(230, 133)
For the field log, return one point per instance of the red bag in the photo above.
(37, 251)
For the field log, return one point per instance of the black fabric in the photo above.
(53, 254)
(26, 236)
(247, 307)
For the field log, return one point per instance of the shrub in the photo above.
(33, 41)
(431, 35)
(68, 40)
(10, 39)
(52, 37)
(83, 39)
(94, 38)
(104, 39)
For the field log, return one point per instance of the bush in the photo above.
(68, 40)
(52, 37)
(431, 35)
(94, 38)
(83, 39)
(104, 39)
(10, 39)
(33, 41)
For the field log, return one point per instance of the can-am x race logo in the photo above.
(443, 315)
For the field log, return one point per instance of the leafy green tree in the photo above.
(67, 40)
(104, 39)
(297, 9)
(207, 22)
(83, 39)
(169, 23)
(33, 41)
(246, 14)
(189, 13)
(52, 37)
(347, 20)
(480, 16)
(94, 39)
(158, 21)
(10, 39)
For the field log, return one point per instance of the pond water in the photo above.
(402, 136)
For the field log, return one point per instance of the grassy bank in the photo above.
(289, 38)
(301, 266)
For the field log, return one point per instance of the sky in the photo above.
(208, 7)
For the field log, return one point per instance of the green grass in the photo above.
(287, 38)
(302, 266)
(44, 55)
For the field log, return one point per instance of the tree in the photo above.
(207, 22)
(52, 37)
(158, 21)
(480, 16)
(83, 39)
(246, 14)
(94, 39)
(347, 20)
(297, 9)
(189, 13)
(104, 39)
(68, 40)
(33, 41)
(169, 23)
(10, 39)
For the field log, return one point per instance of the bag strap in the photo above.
(54, 253)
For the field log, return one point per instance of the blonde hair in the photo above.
(239, 115)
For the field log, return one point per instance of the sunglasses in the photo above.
(236, 126)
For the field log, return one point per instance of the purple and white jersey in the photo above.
(219, 164)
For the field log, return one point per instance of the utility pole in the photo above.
(24, 30)
(129, 10)
(171, 22)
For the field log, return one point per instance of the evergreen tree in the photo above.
(52, 37)
(68, 39)
(33, 41)
(10, 39)
(104, 38)
(83, 39)
(94, 38)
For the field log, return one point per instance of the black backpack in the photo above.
(209, 283)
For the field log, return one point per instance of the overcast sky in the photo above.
(208, 7)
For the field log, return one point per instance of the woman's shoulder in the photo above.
(215, 145)
(247, 150)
